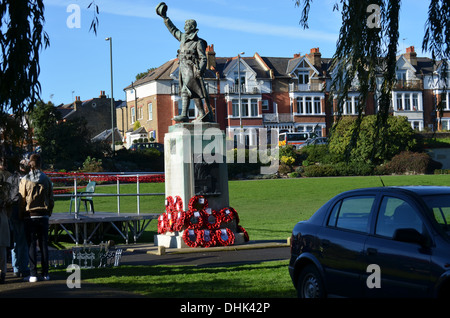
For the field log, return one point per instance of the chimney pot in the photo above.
(410, 49)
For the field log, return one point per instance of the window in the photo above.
(399, 102)
(352, 213)
(299, 105)
(317, 106)
(253, 107)
(444, 101)
(244, 106)
(407, 102)
(236, 78)
(133, 114)
(349, 107)
(235, 107)
(415, 103)
(150, 111)
(140, 112)
(401, 76)
(303, 77)
(308, 105)
(396, 214)
(415, 125)
(265, 104)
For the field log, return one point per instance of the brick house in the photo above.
(279, 93)
(96, 112)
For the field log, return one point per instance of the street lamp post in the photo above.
(112, 94)
(239, 92)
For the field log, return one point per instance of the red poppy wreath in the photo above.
(198, 202)
(225, 237)
(169, 204)
(178, 203)
(162, 224)
(180, 221)
(194, 219)
(212, 219)
(190, 238)
(206, 238)
(228, 214)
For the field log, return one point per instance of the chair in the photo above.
(90, 188)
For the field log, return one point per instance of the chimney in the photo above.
(102, 94)
(77, 103)
(411, 55)
(296, 55)
(315, 57)
(210, 57)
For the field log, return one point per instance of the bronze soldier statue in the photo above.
(192, 59)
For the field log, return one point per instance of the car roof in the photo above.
(419, 190)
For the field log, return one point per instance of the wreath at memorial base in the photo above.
(212, 219)
(229, 214)
(194, 219)
(224, 237)
(190, 238)
(162, 224)
(178, 204)
(200, 224)
(240, 229)
(197, 202)
(169, 203)
(180, 221)
(206, 238)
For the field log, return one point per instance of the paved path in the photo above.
(146, 254)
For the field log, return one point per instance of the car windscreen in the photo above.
(297, 137)
(440, 206)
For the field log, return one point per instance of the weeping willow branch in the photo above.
(437, 42)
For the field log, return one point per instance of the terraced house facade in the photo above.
(282, 94)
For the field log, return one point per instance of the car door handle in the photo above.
(372, 251)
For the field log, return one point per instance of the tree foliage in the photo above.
(364, 51)
(399, 136)
(22, 37)
(64, 144)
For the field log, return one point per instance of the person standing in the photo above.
(19, 251)
(37, 204)
(5, 211)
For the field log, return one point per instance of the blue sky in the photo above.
(77, 62)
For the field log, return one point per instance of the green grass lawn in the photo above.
(263, 280)
(268, 209)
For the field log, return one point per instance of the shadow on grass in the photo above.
(263, 280)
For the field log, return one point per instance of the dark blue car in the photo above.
(375, 242)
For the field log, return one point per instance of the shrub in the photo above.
(409, 162)
(92, 165)
(287, 160)
(326, 170)
(361, 142)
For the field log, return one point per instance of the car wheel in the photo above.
(310, 283)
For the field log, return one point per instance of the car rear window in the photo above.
(352, 213)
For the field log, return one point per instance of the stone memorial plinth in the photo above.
(195, 165)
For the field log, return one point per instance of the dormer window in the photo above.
(401, 75)
(303, 77)
(236, 78)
